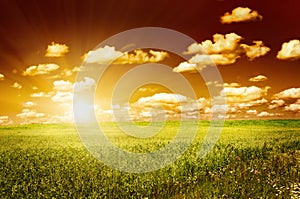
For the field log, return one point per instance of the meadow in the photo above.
(252, 159)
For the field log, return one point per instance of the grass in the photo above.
(252, 159)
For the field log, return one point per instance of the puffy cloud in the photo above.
(29, 104)
(251, 112)
(295, 107)
(1, 77)
(27, 113)
(240, 14)
(62, 85)
(265, 114)
(276, 103)
(258, 78)
(290, 50)
(109, 54)
(4, 120)
(223, 50)
(86, 84)
(56, 50)
(40, 69)
(139, 56)
(17, 85)
(185, 67)
(231, 85)
(243, 94)
(103, 55)
(256, 50)
(167, 106)
(62, 97)
(41, 95)
(288, 93)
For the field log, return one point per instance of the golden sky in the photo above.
(255, 46)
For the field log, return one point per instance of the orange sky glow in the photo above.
(45, 43)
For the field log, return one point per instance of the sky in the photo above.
(254, 44)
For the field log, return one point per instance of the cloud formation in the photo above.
(288, 93)
(276, 103)
(29, 104)
(290, 50)
(223, 50)
(56, 50)
(258, 78)
(295, 107)
(41, 95)
(62, 85)
(108, 54)
(17, 85)
(240, 14)
(5, 120)
(27, 114)
(40, 69)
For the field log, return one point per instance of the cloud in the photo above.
(4, 120)
(295, 107)
(109, 54)
(62, 85)
(265, 114)
(256, 50)
(84, 85)
(231, 85)
(240, 14)
(29, 104)
(251, 112)
(258, 78)
(223, 50)
(243, 94)
(103, 55)
(289, 50)
(56, 50)
(288, 93)
(27, 113)
(41, 95)
(276, 103)
(62, 97)
(1, 77)
(17, 85)
(40, 69)
(163, 106)
(185, 67)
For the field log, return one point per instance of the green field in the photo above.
(252, 159)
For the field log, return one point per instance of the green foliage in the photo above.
(252, 159)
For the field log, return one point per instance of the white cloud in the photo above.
(290, 50)
(5, 120)
(40, 69)
(223, 50)
(251, 112)
(295, 107)
(265, 114)
(243, 94)
(62, 97)
(258, 78)
(163, 106)
(256, 50)
(41, 95)
(103, 55)
(29, 104)
(62, 85)
(56, 50)
(1, 77)
(288, 93)
(17, 85)
(108, 54)
(86, 84)
(276, 103)
(27, 114)
(185, 67)
(234, 85)
(240, 14)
